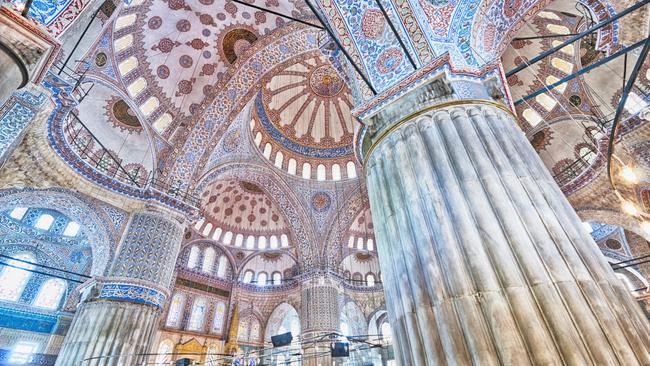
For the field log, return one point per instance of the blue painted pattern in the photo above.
(25, 320)
(132, 293)
(45, 11)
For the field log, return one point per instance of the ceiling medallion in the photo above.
(325, 81)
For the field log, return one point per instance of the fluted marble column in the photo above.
(320, 314)
(119, 314)
(483, 260)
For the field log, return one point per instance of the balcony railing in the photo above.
(96, 156)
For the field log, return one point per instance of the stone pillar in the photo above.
(320, 315)
(119, 314)
(483, 260)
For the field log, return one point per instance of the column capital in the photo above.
(442, 91)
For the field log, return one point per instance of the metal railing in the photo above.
(79, 91)
(94, 154)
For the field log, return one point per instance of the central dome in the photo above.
(303, 120)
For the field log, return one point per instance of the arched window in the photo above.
(72, 229)
(193, 260)
(370, 280)
(262, 278)
(351, 169)
(345, 329)
(44, 222)
(261, 242)
(175, 311)
(306, 171)
(336, 172)
(227, 237)
(18, 213)
(277, 278)
(292, 166)
(207, 229)
(222, 266)
(248, 276)
(244, 326)
(274, 242)
(386, 332)
(208, 260)
(13, 280)
(197, 315)
(588, 154)
(219, 316)
(250, 242)
(255, 330)
(50, 294)
(284, 240)
(217, 233)
(371, 245)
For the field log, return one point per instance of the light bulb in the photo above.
(629, 208)
(629, 174)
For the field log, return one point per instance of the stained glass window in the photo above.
(193, 260)
(261, 279)
(208, 260)
(72, 229)
(175, 311)
(255, 330)
(50, 294)
(277, 278)
(219, 316)
(198, 314)
(223, 266)
(386, 332)
(243, 330)
(248, 276)
(44, 222)
(370, 280)
(18, 213)
(14, 279)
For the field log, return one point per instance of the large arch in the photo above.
(301, 231)
(235, 90)
(353, 316)
(613, 218)
(76, 208)
(354, 201)
(282, 320)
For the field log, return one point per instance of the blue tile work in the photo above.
(132, 293)
(13, 318)
(15, 115)
(601, 231)
(45, 11)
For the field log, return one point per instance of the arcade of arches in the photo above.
(389, 182)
